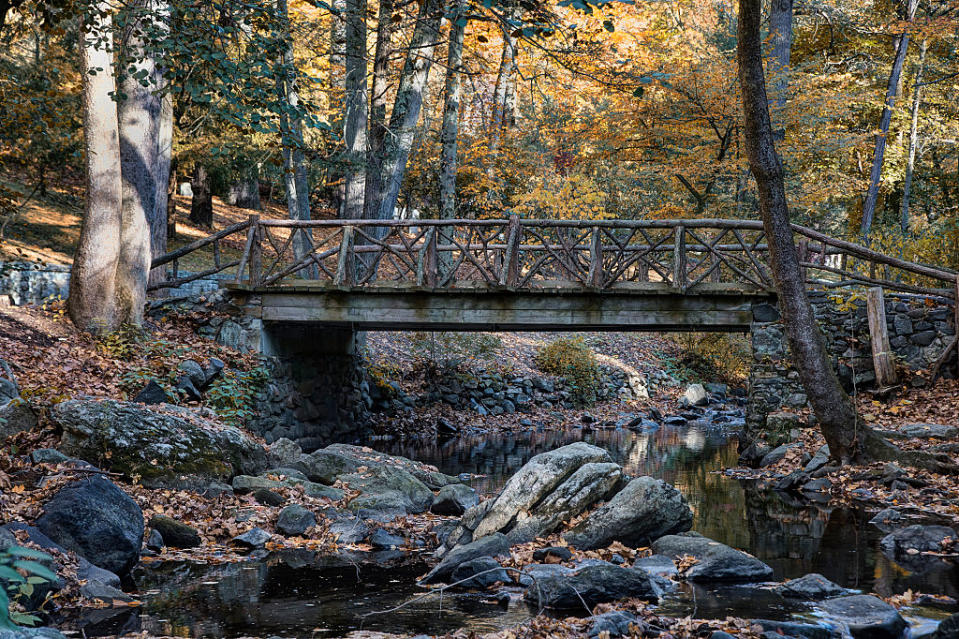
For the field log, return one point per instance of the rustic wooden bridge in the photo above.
(517, 274)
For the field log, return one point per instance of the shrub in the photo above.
(708, 356)
(19, 573)
(233, 395)
(573, 360)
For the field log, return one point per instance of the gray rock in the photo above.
(174, 533)
(253, 538)
(284, 453)
(916, 538)
(887, 519)
(154, 541)
(492, 545)
(948, 628)
(388, 487)
(98, 521)
(243, 484)
(795, 629)
(194, 371)
(47, 456)
(480, 573)
(775, 455)
(657, 565)
(867, 617)
(558, 553)
(820, 459)
(929, 431)
(163, 450)
(16, 416)
(383, 539)
(454, 499)
(592, 585)
(349, 531)
(715, 561)
(267, 497)
(151, 394)
(695, 395)
(615, 624)
(294, 520)
(811, 587)
(644, 510)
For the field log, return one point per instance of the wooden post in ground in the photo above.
(879, 337)
(256, 251)
(679, 258)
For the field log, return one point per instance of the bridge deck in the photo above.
(634, 306)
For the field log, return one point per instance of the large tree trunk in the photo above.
(92, 301)
(139, 114)
(406, 108)
(201, 205)
(781, 34)
(295, 175)
(913, 140)
(833, 408)
(872, 194)
(451, 110)
(356, 109)
(376, 128)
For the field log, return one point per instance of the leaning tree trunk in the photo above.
(376, 126)
(139, 113)
(832, 406)
(913, 140)
(406, 108)
(92, 301)
(451, 109)
(872, 194)
(356, 106)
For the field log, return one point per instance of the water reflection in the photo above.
(303, 594)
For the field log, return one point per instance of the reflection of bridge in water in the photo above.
(531, 274)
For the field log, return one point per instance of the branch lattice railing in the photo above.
(684, 255)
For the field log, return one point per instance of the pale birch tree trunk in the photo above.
(159, 220)
(376, 128)
(872, 194)
(295, 175)
(139, 114)
(451, 109)
(92, 301)
(913, 139)
(356, 109)
(406, 108)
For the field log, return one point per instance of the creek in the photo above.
(305, 594)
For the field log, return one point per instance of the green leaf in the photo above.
(8, 573)
(36, 569)
(28, 553)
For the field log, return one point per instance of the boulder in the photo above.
(16, 416)
(794, 629)
(388, 487)
(916, 539)
(695, 395)
(382, 539)
(349, 531)
(163, 450)
(820, 459)
(294, 520)
(715, 561)
(552, 554)
(887, 519)
(96, 520)
(592, 585)
(174, 533)
(811, 587)
(615, 624)
(775, 455)
(867, 617)
(151, 394)
(929, 431)
(948, 628)
(368, 457)
(480, 573)
(284, 453)
(267, 497)
(644, 510)
(490, 546)
(243, 484)
(253, 538)
(454, 499)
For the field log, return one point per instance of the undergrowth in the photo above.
(575, 362)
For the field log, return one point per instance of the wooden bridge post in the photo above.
(804, 257)
(345, 260)
(679, 258)
(509, 274)
(256, 251)
(596, 258)
(879, 337)
(426, 267)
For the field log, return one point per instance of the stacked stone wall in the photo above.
(33, 283)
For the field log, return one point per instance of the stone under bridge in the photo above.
(310, 288)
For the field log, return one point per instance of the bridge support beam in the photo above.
(318, 393)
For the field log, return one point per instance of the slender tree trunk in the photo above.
(377, 120)
(295, 177)
(201, 205)
(504, 78)
(781, 33)
(406, 108)
(171, 200)
(139, 113)
(913, 138)
(833, 408)
(338, 89)
(872, 194)
(451, 110)
(356, 109)
(160, 227)
(92, 301)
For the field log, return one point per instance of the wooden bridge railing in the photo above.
(534, 254)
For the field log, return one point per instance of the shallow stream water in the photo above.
(299, 593)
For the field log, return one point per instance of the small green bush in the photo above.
(572, 359)
(233, 395)
(20, 571)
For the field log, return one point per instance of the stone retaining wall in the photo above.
(919, 329)
(33, 283)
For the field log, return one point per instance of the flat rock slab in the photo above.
(867, 617)
(489, 546)
(929, 431)
(811, 587)
(715, 561)
(592, 585)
